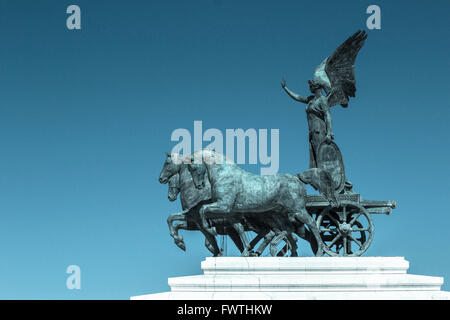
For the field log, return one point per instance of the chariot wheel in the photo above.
(346, 230)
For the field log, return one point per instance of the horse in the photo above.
(190, 198)
(234, 190)
(185, 224)
(190, 220)
(175, 164)
(175, 172)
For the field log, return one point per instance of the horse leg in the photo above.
(181, 216)
(276, 241)
(174, 230)
(301, 231)
(258, 237)
(211, 239)
(303, 217)
(234, 235)
(179, 241)
(209, 246)
(240, 230)
(267, 238)
(299, 214)
(215, 207)
(312, 241)
(293, 242)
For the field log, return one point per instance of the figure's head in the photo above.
(174, 187)
(170, 168)
(314, 86)
(198, 171)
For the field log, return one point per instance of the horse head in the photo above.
(174, 187)
(170, 168)
(198, 171)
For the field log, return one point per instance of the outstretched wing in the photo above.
(339, 68)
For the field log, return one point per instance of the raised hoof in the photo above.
(180, 244)
(177, 238)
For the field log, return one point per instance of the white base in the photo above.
(287, 278)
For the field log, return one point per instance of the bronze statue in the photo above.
(335, 75)
(219, 198)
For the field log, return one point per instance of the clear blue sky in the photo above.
(86, 116)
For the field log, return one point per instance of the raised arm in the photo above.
(293, 95)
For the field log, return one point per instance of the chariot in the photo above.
(276, 208)
(348, 229)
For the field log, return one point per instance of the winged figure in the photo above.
(336, 73)
(336, 77)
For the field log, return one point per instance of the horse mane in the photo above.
(179, 159)
(209, 156)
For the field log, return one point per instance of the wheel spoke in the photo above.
(333, 219)
(344, 213)
(360, 229)
(356, 241)
(334, 240)
(330, 230)
(355, 218)
(349, 250)
(341, 227)
(345, 246)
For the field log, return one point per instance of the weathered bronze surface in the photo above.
(220, 198)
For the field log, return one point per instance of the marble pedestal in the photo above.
(238, 278)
